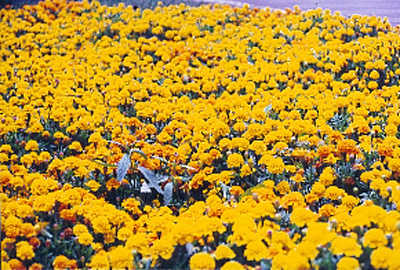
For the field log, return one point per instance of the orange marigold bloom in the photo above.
(235, 160)
(25, 251)
(61, 262)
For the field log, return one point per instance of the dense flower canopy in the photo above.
(198, 137)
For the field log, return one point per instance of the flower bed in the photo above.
(198, 137)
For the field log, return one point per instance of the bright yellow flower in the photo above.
(224, 252)
(85, 238)
(232, 265)
(256, 250)
(25, 251)
(235, 160)
(121, 257)
(302, 216)
(348, 263)
(375, 238)
(346, 245)
(202, 261)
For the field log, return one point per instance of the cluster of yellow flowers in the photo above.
(243, 138)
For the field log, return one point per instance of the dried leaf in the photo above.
(225, 190)
(123, 166)
(268, 108)
(145, 188)
(153, 178)
(168, 190)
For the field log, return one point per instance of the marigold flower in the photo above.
(381, 257)
(256, 250)
(13, 226)
(24, 251)
(32, 146)
(235, 160)
(327, 176)
(61, 262)
(346, 245)
(301, 216)
(101, 225)
(224, 252)
(348, 263)
(93, 185)
(202, 261)
(275, 166)
(36, 266)
(85, 238)
(132, 205)
(99, 261)
(76, 146)
(232, 265)
(120, 258)
(374, 238)
(15, 264)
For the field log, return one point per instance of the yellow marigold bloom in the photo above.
(5, 177)
(283, 187)
(120, 258)
(330, 159)
(294, 199)
(202, 261)
(85, 239)
(348, 146)
(32, 146)
(334, 193)
(236, 191)
(381, 257)
(327, 176)
(232, 265)
(24, 211)
(302, 216)
(241, 143)
(124, 233)
(235, 160)
(245, 170)
(132, 205)
(374, 238)
(99, 261)
(276, 166)
(163, 247)
(101, 225)
(372, 85)
(346, 245)
(256, 250)
(61, 262)
(76, 146)
(43, 203)
(112, 183)
(258, 147)
(138, 242)
(93, 185)
(6, 148)
(350, 201)
(79, 229)
(224, 252)
(24, 250)
(307, 249)
(348, 263)
(318, 233)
